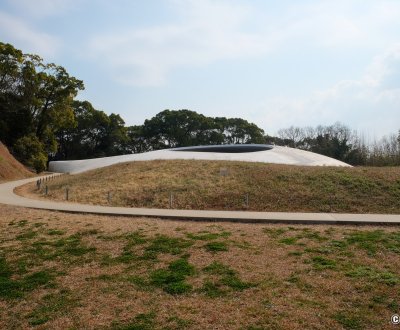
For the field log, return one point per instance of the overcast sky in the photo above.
(274, 63)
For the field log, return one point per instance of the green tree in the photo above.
(94, 134)
(14, 114)
(30, 151)
(115, 138)
(137, 141)
(178, 128)
(238, 131)
(35, 98)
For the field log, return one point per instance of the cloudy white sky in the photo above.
(274, 63)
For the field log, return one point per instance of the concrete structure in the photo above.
(245, 152)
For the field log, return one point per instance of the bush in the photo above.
(30, 151)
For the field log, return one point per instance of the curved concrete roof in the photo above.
(248, 153)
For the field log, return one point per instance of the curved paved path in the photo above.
(7, 196)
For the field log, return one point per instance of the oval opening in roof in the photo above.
(227, 148)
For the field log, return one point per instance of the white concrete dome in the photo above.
(246, 152)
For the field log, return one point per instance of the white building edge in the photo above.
(244, 152)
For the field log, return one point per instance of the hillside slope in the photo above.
(228, 185)
(10, 168)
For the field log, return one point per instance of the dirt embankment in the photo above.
(10, 168)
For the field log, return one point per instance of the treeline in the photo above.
(340, 142)
(97, 135)
(40, 119)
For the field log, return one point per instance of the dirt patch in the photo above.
(10, 168)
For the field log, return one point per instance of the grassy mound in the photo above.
(222, 185)
(10, 168)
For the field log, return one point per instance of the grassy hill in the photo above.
(200, 185)
(10, 168)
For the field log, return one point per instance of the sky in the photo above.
(275, 63)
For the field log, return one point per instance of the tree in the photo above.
(30, 151)
(293, 135)
(14, 116)
(336, 141)
(385, 152)
(35, 98)
(177, 128)
(95, 134)
(239, 131)
(115, 138)
(137, 141)
(52, 107)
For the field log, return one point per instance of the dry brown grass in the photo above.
(199, 185)
(10, 168)
(304, 277)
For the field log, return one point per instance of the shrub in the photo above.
(30, 151)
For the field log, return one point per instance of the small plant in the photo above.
(216, 246)
(228, 278)
(140, 282)
(372, 274)
(65, 248)
(165, 244)
(295, 253)
(52, 306)
(106, 277)
(313, 235)
(88, 232)
(235, 283)
(8, 288)
(73, 246)
(217, 268)
(321, 263)
(53, 232)
(213, 289)
(337, 244)
(274, 233)
(22, 223)
(126, 257)
(288, 240)
(172, 280)
(349, 322)
(136, 238)
(13, 288)
(144, 321)
(37, 279)
(207, 236)
(29, 234)
(367, 240)
(178, 323)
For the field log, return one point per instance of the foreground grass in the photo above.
(268, 187)
(62, 271)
